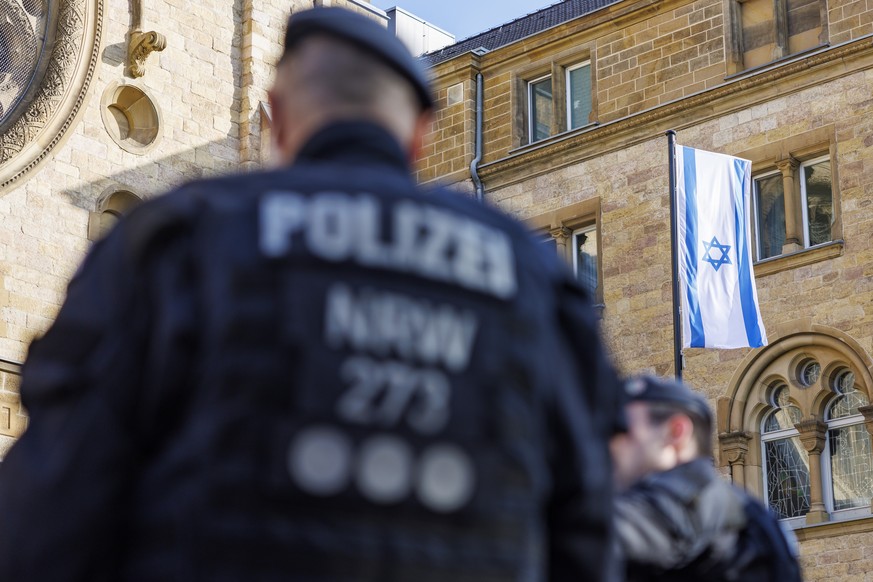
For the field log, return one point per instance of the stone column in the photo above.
(562, 236)
(791, 198)
(812, 434)
(734, 446)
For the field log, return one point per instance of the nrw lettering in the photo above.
(386, 324)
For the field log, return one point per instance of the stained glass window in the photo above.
(23, 25)
(851, 455)
(787, 464)
(851, 468)
(786, 414)
(787, 477)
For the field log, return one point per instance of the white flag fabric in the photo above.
(719, 299)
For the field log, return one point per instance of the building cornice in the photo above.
(737, 94)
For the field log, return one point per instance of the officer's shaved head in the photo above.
(324, 78)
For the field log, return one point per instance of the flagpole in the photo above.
(677, 329)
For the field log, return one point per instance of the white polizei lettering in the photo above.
(385, 323)
(406, 231)
(420, 239)
(431, 257)
(501, 264)
(281, 215)
(370, 249)
(331, 226)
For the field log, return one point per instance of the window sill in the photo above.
(801, 258)
(546, 141)
(834, 528)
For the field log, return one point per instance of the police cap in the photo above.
(648, 388)
(367, 35)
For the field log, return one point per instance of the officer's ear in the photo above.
(277, 126)
(422, 127)
(680, 433)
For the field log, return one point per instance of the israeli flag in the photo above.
(719, 299)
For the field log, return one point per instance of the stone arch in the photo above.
(58, 95)
(746, 382)
(112, 205)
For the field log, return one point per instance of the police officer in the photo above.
(677, 519)
(317, 373)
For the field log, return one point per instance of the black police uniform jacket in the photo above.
(689, 524)
(316, 373)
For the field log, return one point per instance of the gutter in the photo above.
(474, 165)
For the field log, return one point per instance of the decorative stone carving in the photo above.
(57, 102)
(734, 447)
(142, 44)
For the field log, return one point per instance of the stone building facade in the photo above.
(136, 96)
(132, 98)
(576, 100)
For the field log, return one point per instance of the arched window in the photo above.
(850, 460)
(797, 427)
(112, 207)
(786, 466)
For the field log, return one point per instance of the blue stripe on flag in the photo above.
(698, 339)
(744, 268)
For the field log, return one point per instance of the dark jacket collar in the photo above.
(354, 142)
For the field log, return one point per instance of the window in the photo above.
(572, 233)
(768, 30)
(585, 257)
(810, 411)
(786, 466)
(559, 101)
(112, 207)
(794, 207)
(578, 95)
(24, 30)
(541, 115)
(845, 453)
(850, 458)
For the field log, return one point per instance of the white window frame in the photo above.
(530, 107)
(755, 204)
(568, 96)
(827, 474)
(803, 202)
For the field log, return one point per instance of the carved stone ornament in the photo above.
(47, 112)
(735, 445)
(142, 44)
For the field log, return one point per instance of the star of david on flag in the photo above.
(719, 298)
(722, 260)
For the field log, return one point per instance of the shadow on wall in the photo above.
(129, 121)
(113, 193)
